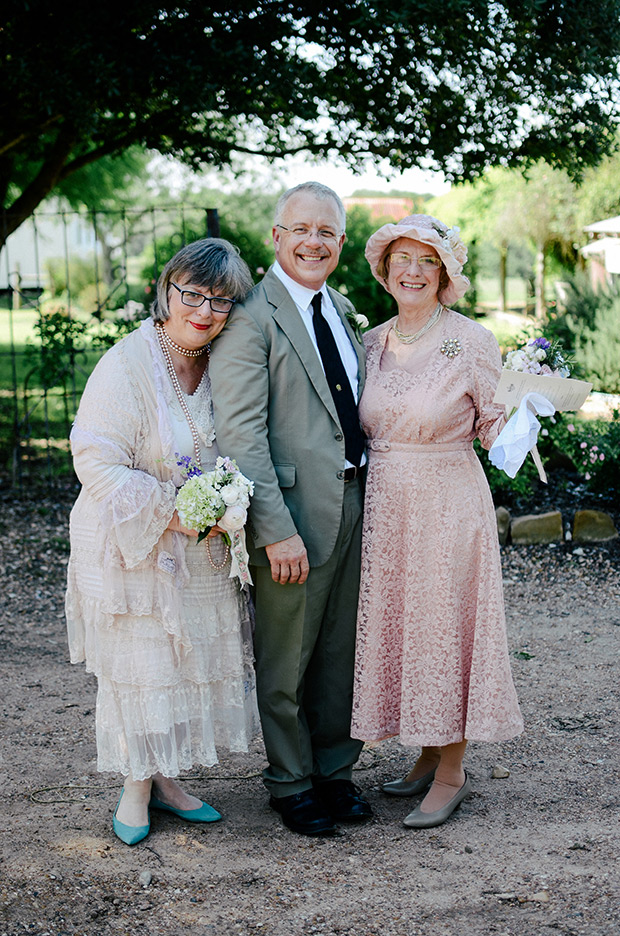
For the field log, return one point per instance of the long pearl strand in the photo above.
(409, 339)
(178, 390)
(192, 425)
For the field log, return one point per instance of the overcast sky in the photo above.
(288, 172)
(345, 182)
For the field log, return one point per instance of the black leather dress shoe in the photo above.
(343, 800)
(304, 813)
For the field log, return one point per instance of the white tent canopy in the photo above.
(608, 226)
(608, 248)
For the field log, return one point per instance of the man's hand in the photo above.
(289, 560)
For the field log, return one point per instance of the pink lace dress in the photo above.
(432, 660)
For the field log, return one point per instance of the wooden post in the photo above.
(213, 223)
(16, 286)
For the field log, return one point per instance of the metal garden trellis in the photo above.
(41, 380)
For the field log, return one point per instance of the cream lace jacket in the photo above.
(124, 560)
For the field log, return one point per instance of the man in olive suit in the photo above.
(287, 372)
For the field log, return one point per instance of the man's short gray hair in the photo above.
(319, 191)
(213, 263)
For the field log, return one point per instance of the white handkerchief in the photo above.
(519, 435)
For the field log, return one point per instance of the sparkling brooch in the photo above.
(451, 347)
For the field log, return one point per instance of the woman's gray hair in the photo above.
(212, 263)
(319, 191)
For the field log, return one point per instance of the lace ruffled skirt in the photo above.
(164, 705)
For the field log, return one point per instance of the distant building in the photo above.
(390, 207)
(603, 250)
(46, 235)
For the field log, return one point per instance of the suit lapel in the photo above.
(290, 322)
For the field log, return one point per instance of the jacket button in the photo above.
(340, 475)
(339, 437)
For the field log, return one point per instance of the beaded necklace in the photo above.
(186, 352)
(409, 339)
(165, 341)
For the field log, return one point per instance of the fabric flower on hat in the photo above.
(456, 245)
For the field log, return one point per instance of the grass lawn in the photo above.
(510, 329)
(487, 289)
(34, 424)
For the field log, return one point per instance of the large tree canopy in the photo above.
(452, 86)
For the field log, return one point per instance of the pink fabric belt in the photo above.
(382, 446)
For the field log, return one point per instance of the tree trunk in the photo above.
(539, 283)
(503, 258)
(40, 186)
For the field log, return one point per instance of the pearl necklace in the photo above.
(186, 352)
(192, 425)
(409, 339)
(178, 390)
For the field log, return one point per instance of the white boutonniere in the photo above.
(357, 322)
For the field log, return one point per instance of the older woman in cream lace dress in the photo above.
(153, 613)
(432, 662)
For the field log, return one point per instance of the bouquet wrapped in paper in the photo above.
(222, 497)
(535, 381)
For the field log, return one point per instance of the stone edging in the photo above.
(589, 526)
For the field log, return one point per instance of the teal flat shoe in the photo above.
(205, 813)
(128, 834)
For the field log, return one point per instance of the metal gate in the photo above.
(72, 283)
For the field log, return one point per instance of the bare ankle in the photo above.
(425, 764)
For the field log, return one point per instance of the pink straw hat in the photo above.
(426, 230)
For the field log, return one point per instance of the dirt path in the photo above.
(532, 854)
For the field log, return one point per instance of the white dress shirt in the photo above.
(302, 297)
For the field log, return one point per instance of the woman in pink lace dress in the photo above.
(432, 662)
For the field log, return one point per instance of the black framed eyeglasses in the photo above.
(196, 299)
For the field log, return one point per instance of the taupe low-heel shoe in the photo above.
(424, 820)
(406, 787)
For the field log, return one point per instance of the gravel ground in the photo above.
(531, 854)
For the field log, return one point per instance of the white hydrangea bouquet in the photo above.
(535, 381)
(222, 497)
(539, 356)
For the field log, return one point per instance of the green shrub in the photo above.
(595, 450)
(74, 276)
(598, 350)
(588, 327)
(93, 299)
(62, 338)
(509, 492)
(574, 452)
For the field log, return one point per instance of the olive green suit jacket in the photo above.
(274, 414)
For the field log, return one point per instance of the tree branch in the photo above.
(45, 180)
(36, 131)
